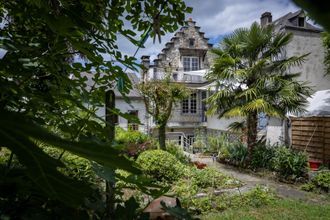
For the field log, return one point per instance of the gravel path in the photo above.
(250, 181)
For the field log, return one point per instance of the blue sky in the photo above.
(218, 18)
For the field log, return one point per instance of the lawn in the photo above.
(280, 209)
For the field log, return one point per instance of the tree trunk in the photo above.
(162, 136)
(110, 119)
(252, 123)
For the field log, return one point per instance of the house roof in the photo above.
(288, 21)
(133, 93)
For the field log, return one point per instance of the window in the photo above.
(193, 103)
(190, 105)
(191, 42)
(175, 76)
(301, 21)
(131, 125)
(185, 106)
(190, 63)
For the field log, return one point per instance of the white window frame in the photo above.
(190, 63)
(190, 105)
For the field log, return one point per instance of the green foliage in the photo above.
(234, 153)
(45, 88)
(159, 97)
(309, 187)
(279, 209)
(178, 152)
(262, 156)
(257, 197)
(196, 181)
(322, 180)
(133, 142)
(130, 136)
(210, 177)
(251, 77)
(160, 165)
(289, 164)
(326, 44)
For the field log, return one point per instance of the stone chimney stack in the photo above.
(190, 22)
(265, 19)
(145, 61)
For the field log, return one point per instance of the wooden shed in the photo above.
(310, 131)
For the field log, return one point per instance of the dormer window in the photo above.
(191, 42)
(301, 21)
(190, 63)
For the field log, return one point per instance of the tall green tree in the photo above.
(253, 76)
(326, 44)
(159, 97)
(46, 45)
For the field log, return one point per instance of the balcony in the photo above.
(187, 119)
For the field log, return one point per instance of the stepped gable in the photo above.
(189, 40)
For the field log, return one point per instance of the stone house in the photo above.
(188, 58)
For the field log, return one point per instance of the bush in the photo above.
(234, 153)
(177, 151)
(130, 137)
(289, 164)
(161, 165)
(133, 142)
(322, 180)
(210, 177)
(262, 156)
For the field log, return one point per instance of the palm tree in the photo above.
(253, 76)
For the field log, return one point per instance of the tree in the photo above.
(159, 98)
(326, 44)
(253, 77)
(45, 98)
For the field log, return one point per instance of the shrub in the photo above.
(262, 156)
(161, 165)
(234, 153)
(130, 137)
(133, 142)
(289, 164)
(210, 177)
(177, 151)
(256, 197)
(322, 180)
(309, 187)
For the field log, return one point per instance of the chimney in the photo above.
(265, 19)
(145, 61)
(190, 22)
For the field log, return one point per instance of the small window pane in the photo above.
(194, 63)
(193, 103)
(186, 64)
(185, 106)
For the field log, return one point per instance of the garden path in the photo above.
(250, 181)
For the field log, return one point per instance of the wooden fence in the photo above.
(312, 134)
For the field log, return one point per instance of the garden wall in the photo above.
(313, 135)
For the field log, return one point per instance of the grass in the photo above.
(282, 209)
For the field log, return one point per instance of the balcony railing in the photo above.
(178, 116)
